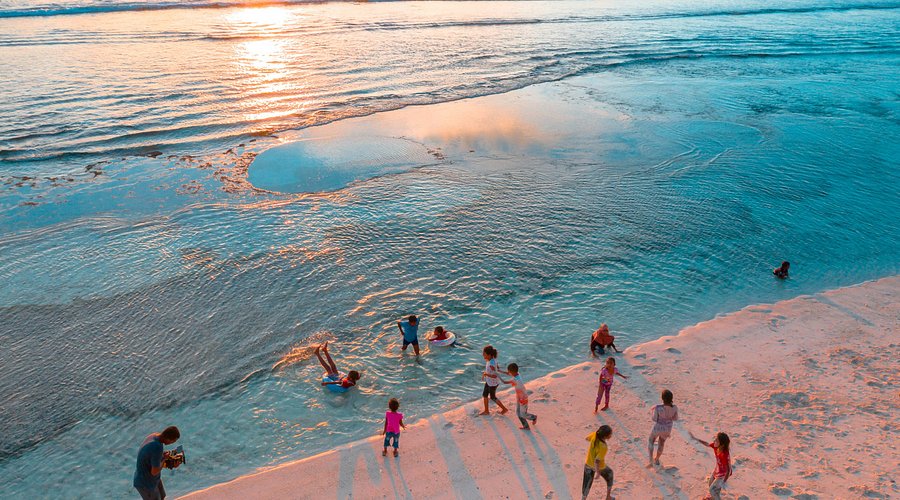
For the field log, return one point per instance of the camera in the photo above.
(173, 458)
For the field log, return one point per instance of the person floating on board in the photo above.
(663, 416)
(393, 421)
(147, 480)
(331, 370)
(602, 339)
(607, 377)
(782, 272)
(409, 328)
(722, 472)
(595, 464)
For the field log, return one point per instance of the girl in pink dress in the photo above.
(607, 375)
(663, 416)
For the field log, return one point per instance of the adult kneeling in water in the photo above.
(331, 371)
(602, 339)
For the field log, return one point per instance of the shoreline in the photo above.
(769, 374)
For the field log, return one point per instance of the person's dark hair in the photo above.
(393, 404)
(604, 432)
(490, 351)
(611, 359)
(667, 397)
(439, 329)
(512, 368)
(413, 319)
(785, 265)
(724, 441)
(170, 433)
(353, 375)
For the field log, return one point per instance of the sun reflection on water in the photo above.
(262, 63)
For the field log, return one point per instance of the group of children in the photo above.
(663, 415)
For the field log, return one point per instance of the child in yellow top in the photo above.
(595, 463)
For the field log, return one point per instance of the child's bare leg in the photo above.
(322, 361)
(486, 411)
(650, 450)
(333, 367)
(659, 449)
(503, 409)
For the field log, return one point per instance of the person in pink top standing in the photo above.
(607, 377)
(393, 421)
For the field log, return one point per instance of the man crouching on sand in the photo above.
(147, 478)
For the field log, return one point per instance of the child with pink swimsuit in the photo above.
(607, 375)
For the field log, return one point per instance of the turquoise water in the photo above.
(675, 157)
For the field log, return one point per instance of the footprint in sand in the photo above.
(673, 350)
(780, 489)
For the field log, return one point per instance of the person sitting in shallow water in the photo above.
(782, 272)
(331, 370)
(439, 334)
(602, 339)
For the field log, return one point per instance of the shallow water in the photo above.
(655, 190)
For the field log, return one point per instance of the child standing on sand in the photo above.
(595, 465)
(722, 471)
(393, 421)
(521, 396)
(607, 376)
(663, 416)
(491, 379)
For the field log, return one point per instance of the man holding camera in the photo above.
(150, 461)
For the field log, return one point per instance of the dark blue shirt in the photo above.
(410, 331)
(150, 455)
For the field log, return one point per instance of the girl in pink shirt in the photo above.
(393, 421)
(606, 381)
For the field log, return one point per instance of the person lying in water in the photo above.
(332, 372)
(439, 334)
(601, 339)
(782, 272)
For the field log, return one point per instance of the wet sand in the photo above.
(806, 388)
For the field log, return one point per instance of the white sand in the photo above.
(806, 388)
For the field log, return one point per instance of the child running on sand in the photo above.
(607, 376)
(722, 471)
(332, 372)
(521, 396)
(595, 465)
(491, 379)
(393, 421)
(663, 416)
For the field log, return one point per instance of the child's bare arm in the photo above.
(384, 431)
(620, 374)
(401, 424)
(695, 438)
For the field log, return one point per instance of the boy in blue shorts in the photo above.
(409, 328)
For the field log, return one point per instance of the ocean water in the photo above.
(515, 171)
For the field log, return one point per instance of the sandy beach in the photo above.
(807, 389)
